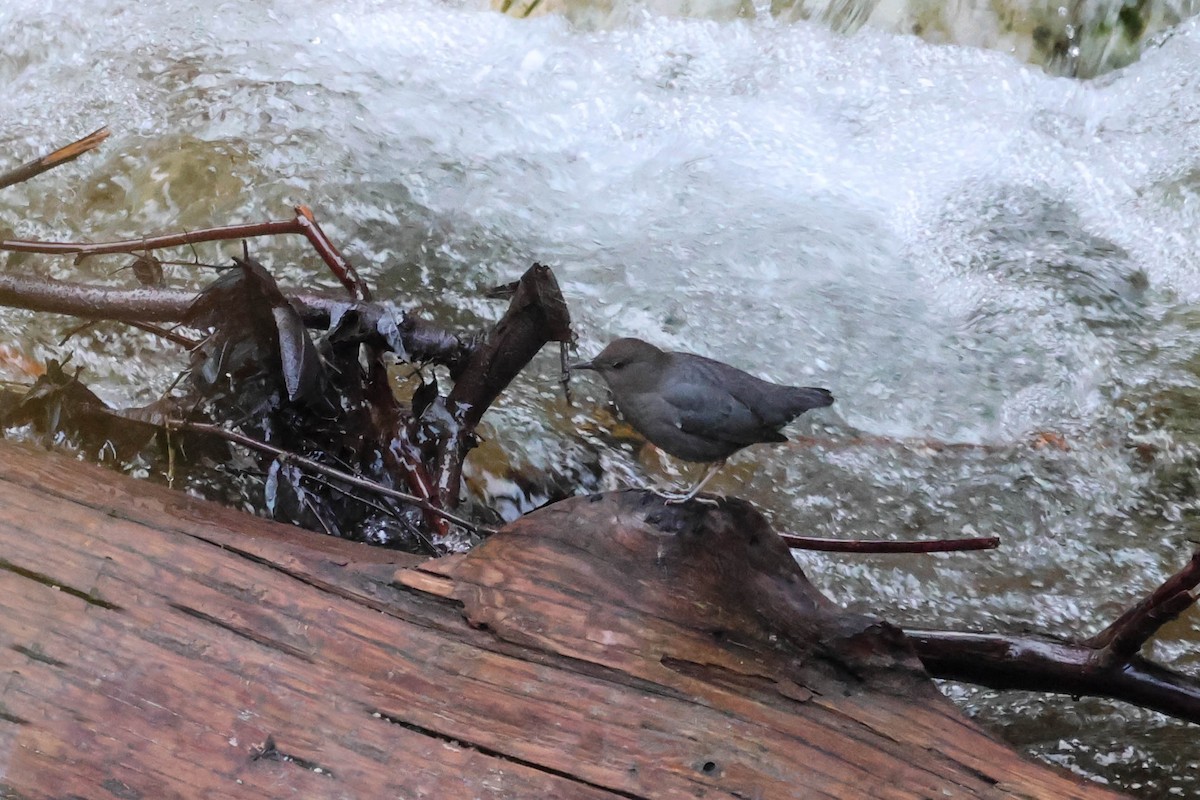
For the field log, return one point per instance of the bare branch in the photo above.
(329, 254)
(304, 224)
(1106, 665)
(1135, 627)
(422, 341)
(223, 233)
(884, 546)
(62, 155)
(1040, 664)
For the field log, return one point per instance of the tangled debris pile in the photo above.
(334, 448)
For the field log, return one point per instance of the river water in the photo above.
(965, 249)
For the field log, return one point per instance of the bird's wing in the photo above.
(774, 404)
(717, 415)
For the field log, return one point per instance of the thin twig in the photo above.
(318, 467)
(304, 224)
(62, 155)
(325, 248)
(881, 546)
(223, 233)
(403, 457)
(425, 541)
(1038, 440)
(166, 333)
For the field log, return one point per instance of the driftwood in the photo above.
(159, 646)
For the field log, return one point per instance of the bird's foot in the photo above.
(673, 498)
(678, 499)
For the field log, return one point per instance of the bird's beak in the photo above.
(581, 365)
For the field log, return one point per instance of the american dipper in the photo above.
(696, 408)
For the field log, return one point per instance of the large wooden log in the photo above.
(157, 646)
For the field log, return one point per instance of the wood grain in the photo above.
(157, 646)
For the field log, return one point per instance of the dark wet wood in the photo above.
(537, 315)
(157, 646)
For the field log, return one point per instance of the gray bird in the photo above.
(695, 408)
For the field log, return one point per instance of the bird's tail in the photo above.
(810, 397)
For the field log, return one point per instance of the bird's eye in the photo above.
(618, 364)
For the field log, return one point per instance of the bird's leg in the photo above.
(673, 498)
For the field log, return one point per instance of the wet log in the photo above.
(159, 646)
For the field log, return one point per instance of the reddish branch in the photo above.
(330, 255)
(883, 546)
(223, 233)
(303, 224)
(62, 155)
(1106, 665)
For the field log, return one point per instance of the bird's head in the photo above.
(628, 365)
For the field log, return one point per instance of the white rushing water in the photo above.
(963, 248)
